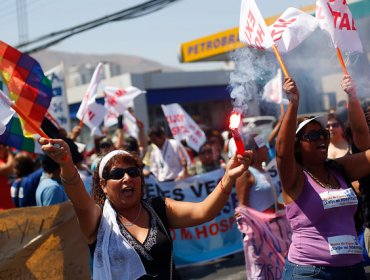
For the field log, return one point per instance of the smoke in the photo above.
(253, 69)
(314, 66)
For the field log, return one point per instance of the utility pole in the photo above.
(22, 20)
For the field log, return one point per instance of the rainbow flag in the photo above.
(13, 137)
(28, 87)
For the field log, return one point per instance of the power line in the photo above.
(130, 13)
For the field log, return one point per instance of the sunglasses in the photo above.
(333, 125)
(314, 136)
(118, 173)
(105, 145)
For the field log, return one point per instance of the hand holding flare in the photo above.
(235, 119)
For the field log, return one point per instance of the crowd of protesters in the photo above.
(312, 157)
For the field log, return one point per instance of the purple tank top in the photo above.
(323, 225)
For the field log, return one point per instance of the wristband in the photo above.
(223, 189)
(73, 181)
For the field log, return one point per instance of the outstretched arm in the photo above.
(356, 116)
(185, 214)
(87, 212)
(288, 169)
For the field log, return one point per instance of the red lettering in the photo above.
(282, 25)
(201, 231)
(111, 100)
(120, 92)
(344, 23)
(214, 229)
(251, 21)
(91, 115)
(186, 234)
(353, 24)
(335, 15)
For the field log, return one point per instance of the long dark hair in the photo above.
(130, 159)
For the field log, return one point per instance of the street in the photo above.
(229, 268)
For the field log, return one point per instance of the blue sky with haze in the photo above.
(156, 36)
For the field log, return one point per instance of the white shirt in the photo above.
(165, 163)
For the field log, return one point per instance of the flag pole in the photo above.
(281, 62)
(23, 115)
(339, 54)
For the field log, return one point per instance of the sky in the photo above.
(156, 36)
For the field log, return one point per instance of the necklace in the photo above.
(324, 185)
(129, 224)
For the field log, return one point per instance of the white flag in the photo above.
(110, 118)
(94, 116)
(252, 27)
(130, 126)
(273, 90)
(6, 112)
(291, 29)
(183, 127)
(119, 99)
(58, 108)
(91, 92)
(336, 18)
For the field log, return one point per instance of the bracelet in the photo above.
(223, 189)
(73, 181)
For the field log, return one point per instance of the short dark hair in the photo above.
(156, 130)
(48, 164)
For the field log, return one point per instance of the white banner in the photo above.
(183, 127)
(252, 27)
(336, 18)
(292, 28)
(91, 92)
(118, 100)
(273, 90)
(94, 116)
(58, 108)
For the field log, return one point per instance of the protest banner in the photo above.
(266, 241)
(42, 243)
(183, 126)
(58, 108)
(212, 240)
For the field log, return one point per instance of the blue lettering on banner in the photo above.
(208, 241)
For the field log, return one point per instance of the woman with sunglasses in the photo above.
(320, 205)
(339, 146)
(130, 236)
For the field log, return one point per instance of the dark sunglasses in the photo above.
(333, 125)
(105, 145)
(314, 136)
(118, 173)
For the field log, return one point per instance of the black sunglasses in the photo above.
(314, 136)
(118, 173)
(333, 125)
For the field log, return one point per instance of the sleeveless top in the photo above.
(261, 195)
(323, 226)
(156, 252)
